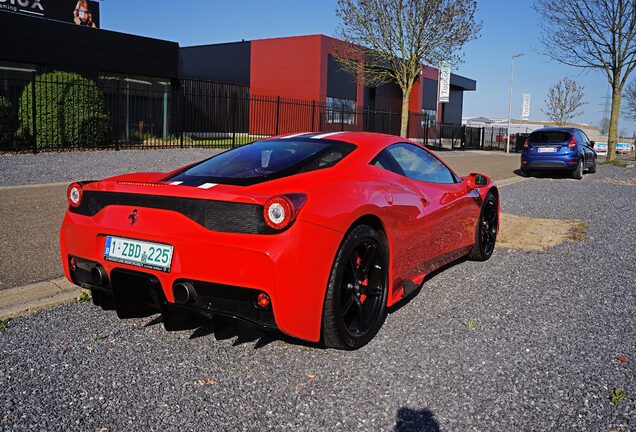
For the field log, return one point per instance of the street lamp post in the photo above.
(512, 72)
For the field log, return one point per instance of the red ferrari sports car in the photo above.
(314, 235)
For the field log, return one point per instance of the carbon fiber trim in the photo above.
(221, 216)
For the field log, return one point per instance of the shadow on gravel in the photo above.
(545, 174)
(410, 420)
(224, 329)
(156, 320)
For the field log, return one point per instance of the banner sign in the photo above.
(84, 13)
(444, 81)
(525, 107)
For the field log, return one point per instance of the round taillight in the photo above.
(263, 301)
(74, 194)
(278, 212)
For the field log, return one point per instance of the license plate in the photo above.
(546, 149)
(155, 256)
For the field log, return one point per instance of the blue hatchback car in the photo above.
(558, 149)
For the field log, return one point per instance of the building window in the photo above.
(341, 110)
(429, 117)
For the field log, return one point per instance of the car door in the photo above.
(451, 211)
(587, 148)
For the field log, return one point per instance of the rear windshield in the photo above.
(265, 160)
(549, 137)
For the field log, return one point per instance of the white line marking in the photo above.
(326, 135)
(207, 185)
(176, 183)
(294, 135)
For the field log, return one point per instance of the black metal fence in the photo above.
(62, 111)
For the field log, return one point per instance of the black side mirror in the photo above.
(481, 180)
(592, 143)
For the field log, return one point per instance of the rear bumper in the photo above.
(549, 163)
(136, 294)
(227, 270)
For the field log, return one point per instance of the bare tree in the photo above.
(593, 34)
(630, 101)
(603, 126)
(564, 101)
(389, 40)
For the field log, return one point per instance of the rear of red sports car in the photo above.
(313, 235)
(185, 246)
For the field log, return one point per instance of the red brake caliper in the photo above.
(365, 282)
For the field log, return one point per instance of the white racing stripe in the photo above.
(294, 135)
(326, 135)
(207, 185)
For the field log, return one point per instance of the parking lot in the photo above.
(525, 341)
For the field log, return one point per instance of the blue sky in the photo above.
(508, 27)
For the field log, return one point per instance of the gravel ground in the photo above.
(23, 169)
(549, 327)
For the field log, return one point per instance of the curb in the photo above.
(37, 185)
(15, 302)
(510, 180)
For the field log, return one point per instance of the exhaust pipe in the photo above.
(184, 293)
(98, 275)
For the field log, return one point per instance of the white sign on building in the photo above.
(444, 81)
(525, 106)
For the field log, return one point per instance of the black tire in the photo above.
(486, 232)
(355, 308)
(592, 169)
(578, 171)
(525, 173)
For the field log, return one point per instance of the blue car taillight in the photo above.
(526, 144)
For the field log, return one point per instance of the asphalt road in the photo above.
(31, 216)
(542, 357)
(29, 234)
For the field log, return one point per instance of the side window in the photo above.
(418, 164)
(584, 137)
(385, 161)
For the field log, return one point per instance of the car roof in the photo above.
(556, 129)
(367, 142)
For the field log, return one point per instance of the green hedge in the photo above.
(8, 124)
(65, 102)
(94, 131)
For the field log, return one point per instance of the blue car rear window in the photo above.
(549, 137)
(266, 160)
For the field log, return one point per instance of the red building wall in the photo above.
(292, 69)
(296, 68)
(288, 67)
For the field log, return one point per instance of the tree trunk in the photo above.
(404, 128)
(612, 136)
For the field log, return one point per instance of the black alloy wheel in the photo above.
(355, 303)
(363, 286)
(487, 227)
